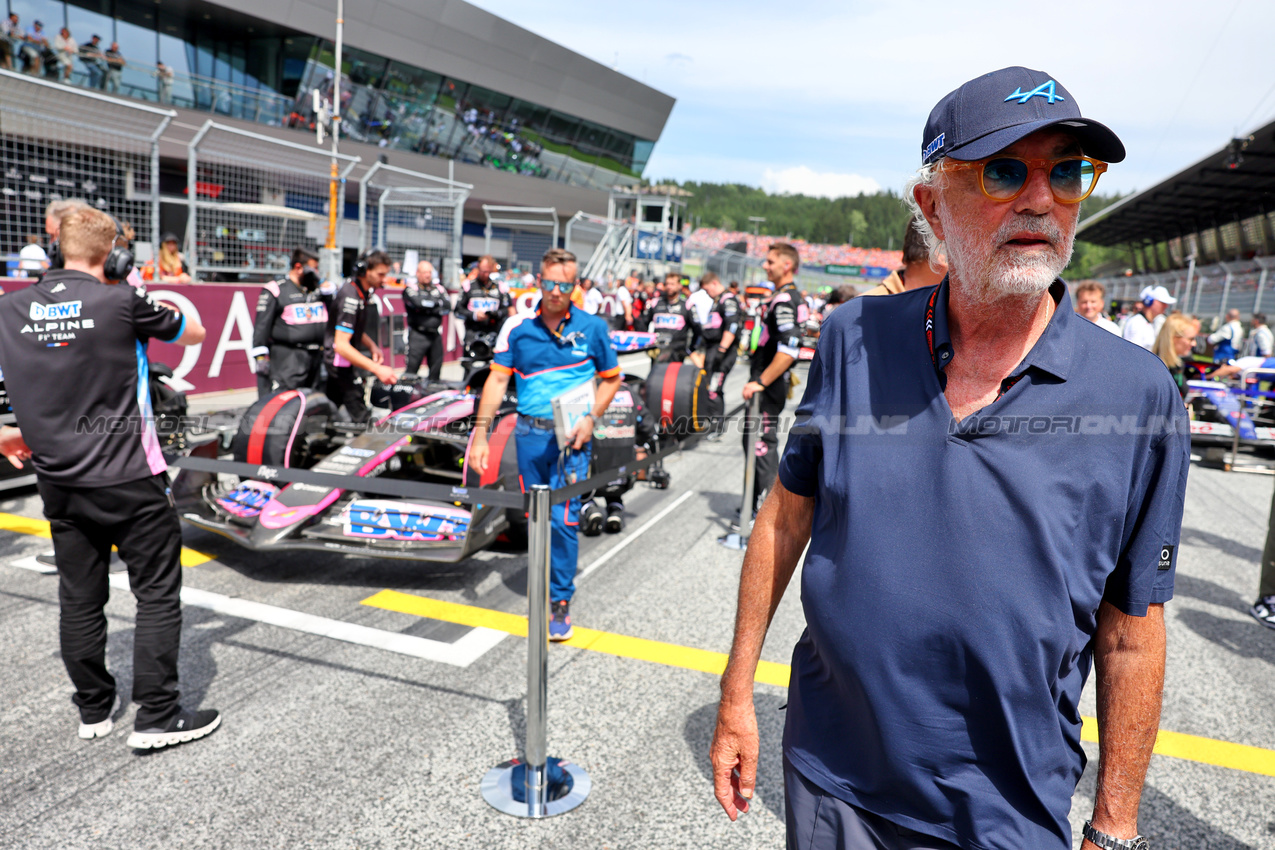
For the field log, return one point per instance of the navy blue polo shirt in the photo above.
(954, 574)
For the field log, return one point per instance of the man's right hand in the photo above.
(734, 755)
(478, 453)
(262, 364)
(480, 315)
(385, 374)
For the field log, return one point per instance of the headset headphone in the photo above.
(120, 261)
(360, 266)
(1148, 300)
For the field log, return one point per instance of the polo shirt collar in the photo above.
(565, 320)
(1052, 353)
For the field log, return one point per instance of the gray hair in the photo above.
(926, 175)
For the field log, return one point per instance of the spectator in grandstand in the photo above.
(1141, 328)
(65, 49)
(103, 487)
(114, 68)
(32, 260)
(94, 61)
(426, 303)
(347, 321)
(1090, 298)
(291, 322)
(1173, 345)
(10, 41)
(164, 78)
(34, 45)
(1260, 342)
(1229, 338)
(1027, 560)
(172, 265)
(918, 271)
(551, 352)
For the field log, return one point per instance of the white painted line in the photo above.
(462, 653)
(614, 550)
(30, 563)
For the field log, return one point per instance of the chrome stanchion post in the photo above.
(752, 421)
(537, 786)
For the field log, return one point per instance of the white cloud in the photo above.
(803, 180)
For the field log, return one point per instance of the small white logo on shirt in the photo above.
(57, 289)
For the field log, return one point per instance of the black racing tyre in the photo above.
(271, 431)
(677, 398)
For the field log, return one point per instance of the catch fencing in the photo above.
(401, 211)
(101, 149)
(252, 199)
(1206, 291)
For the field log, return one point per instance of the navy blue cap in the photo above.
(992, 112)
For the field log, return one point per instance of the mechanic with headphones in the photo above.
(483, 306)
(287, 339)
(74, 354)
(346, 323)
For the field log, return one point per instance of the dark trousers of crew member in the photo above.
(672, 354)
(763, 440)
(1266, 586)
(427, 347)
(718, 366)
(291, 368)
(345, 389)
(139, 520)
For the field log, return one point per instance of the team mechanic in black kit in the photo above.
(73, 351)
(287, 338)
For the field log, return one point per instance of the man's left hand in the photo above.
(583, 432)
(13, 447)
(751, 388)
(375, 350)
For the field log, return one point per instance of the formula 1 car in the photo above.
(423, 437)
(1220, 410)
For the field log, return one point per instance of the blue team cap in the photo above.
(992, 112)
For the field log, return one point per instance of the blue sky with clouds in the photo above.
(831, 97)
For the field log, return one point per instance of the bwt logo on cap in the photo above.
(47, 312)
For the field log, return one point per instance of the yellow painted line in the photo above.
(1173, 744)
(40, 528)
(668, 654)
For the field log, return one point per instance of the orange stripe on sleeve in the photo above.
(610, 373)
(503, 370)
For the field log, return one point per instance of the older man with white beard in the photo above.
(980, 534)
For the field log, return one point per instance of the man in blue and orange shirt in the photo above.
(553, 350)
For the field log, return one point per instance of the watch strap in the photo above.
(1110, 842)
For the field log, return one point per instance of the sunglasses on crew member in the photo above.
(560, 285)
(1003, 178)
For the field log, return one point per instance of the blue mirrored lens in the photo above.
(1071, 178)
(1003, 178)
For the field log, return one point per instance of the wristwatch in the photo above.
(1110, 842)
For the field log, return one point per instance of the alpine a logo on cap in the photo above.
(1045, 90)
(933, 146)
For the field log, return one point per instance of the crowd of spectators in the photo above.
(93, 64)
(714, 239)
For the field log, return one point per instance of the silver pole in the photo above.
(1261, 284)
(1190, 276)
(537, 649)
(573, 784)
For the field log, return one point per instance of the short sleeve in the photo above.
(152, 320)
(803, 454)
(347, 312)
(1149, 555)
(503, 351)
(604, 359)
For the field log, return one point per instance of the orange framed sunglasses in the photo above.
(1003, 178)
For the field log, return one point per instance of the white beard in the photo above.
(989, 275)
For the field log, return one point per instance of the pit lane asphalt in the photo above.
(331, 744)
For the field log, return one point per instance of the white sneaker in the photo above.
(100, 730)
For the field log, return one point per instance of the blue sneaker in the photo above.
(560, 621)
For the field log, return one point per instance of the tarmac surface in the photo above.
(331, 744)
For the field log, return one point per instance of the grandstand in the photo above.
(1204, 233)
(713, 239)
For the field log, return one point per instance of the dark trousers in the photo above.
(818, 821)
(762, 438)
(427, 347)
(718, 366)
(291, 368)
(672, 354)
(345, 389)
(138, 519)
(1266, 585)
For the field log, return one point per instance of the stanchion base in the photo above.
(498, 788)
(733, 541)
